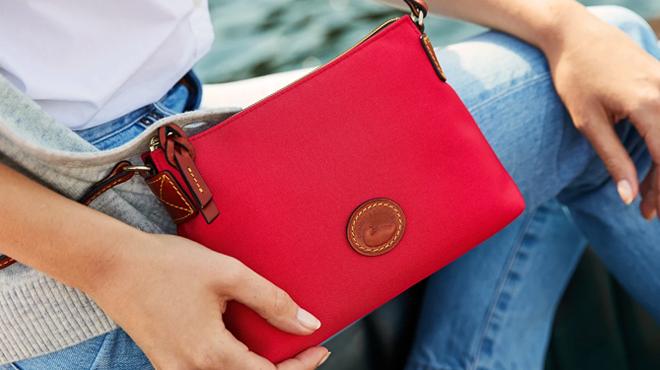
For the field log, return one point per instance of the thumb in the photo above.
(600, 133)
(271, 303)
(308, 359)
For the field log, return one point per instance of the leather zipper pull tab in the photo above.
(196, 185)
(180, 154)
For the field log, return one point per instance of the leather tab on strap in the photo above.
(173, 139)
(180, 154)
(172, 197)
(197, 186)
(428, 48)
(6, 261)
(117, 176)
(417, 6)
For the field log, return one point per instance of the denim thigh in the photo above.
(493, 307)
(111, 351)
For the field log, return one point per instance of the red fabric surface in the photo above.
(288, 172)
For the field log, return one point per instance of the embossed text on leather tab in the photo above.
(376, 227)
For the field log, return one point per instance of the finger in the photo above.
(308, 359)
(232, 354)
(645, 120)
(656, 186)
(649, 191)
(271, 303)
(607, 144)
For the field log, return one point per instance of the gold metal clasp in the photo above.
(132, 168)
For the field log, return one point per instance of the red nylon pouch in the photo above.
(288, 173)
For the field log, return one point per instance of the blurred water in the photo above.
(266, 36)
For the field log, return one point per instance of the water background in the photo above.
(265, 36)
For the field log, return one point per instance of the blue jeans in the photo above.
(493, 307)
(184, 96)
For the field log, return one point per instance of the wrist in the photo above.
(565, 21)
(109, 261)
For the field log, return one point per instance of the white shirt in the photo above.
(87, 62)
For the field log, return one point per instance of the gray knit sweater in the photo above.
(39, 315)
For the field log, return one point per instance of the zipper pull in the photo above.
(180, 154)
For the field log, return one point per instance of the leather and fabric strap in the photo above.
(166, 186)
(6, 261)
(419, 11)
(119, 175)
(417, 6)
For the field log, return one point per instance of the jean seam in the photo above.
(500, 289)
(510, 90)
(113, 133)
(105, 338)
(160, 106)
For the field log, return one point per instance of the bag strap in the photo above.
(121, 173)
(419, 10)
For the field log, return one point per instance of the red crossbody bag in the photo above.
(344, 188)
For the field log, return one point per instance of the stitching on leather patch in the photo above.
(376, 227)
(162, 179)
(9, 261)
(434, 59)
(105, 188)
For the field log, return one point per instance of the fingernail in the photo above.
(324, 359)
(625, 191)
(652, 216)
(308, 320)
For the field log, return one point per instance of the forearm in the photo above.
(68, 241)
(539, 22)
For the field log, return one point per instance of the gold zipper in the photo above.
(155, 142)
(365, 38)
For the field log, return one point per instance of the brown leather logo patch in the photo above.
(376, 227)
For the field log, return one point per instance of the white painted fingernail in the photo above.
(324, 359)
(625, 191)
(308, 320)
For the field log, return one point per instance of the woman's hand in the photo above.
(603, 77)
(169, 295)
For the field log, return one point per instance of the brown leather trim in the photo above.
(428, 48)
(117, 176)
(416, 6)
(201, 193)
(210, 212)
(6, 262)
(172, 197)
(376, 227)
(196, 184)
(180, 154)
(173, 139)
